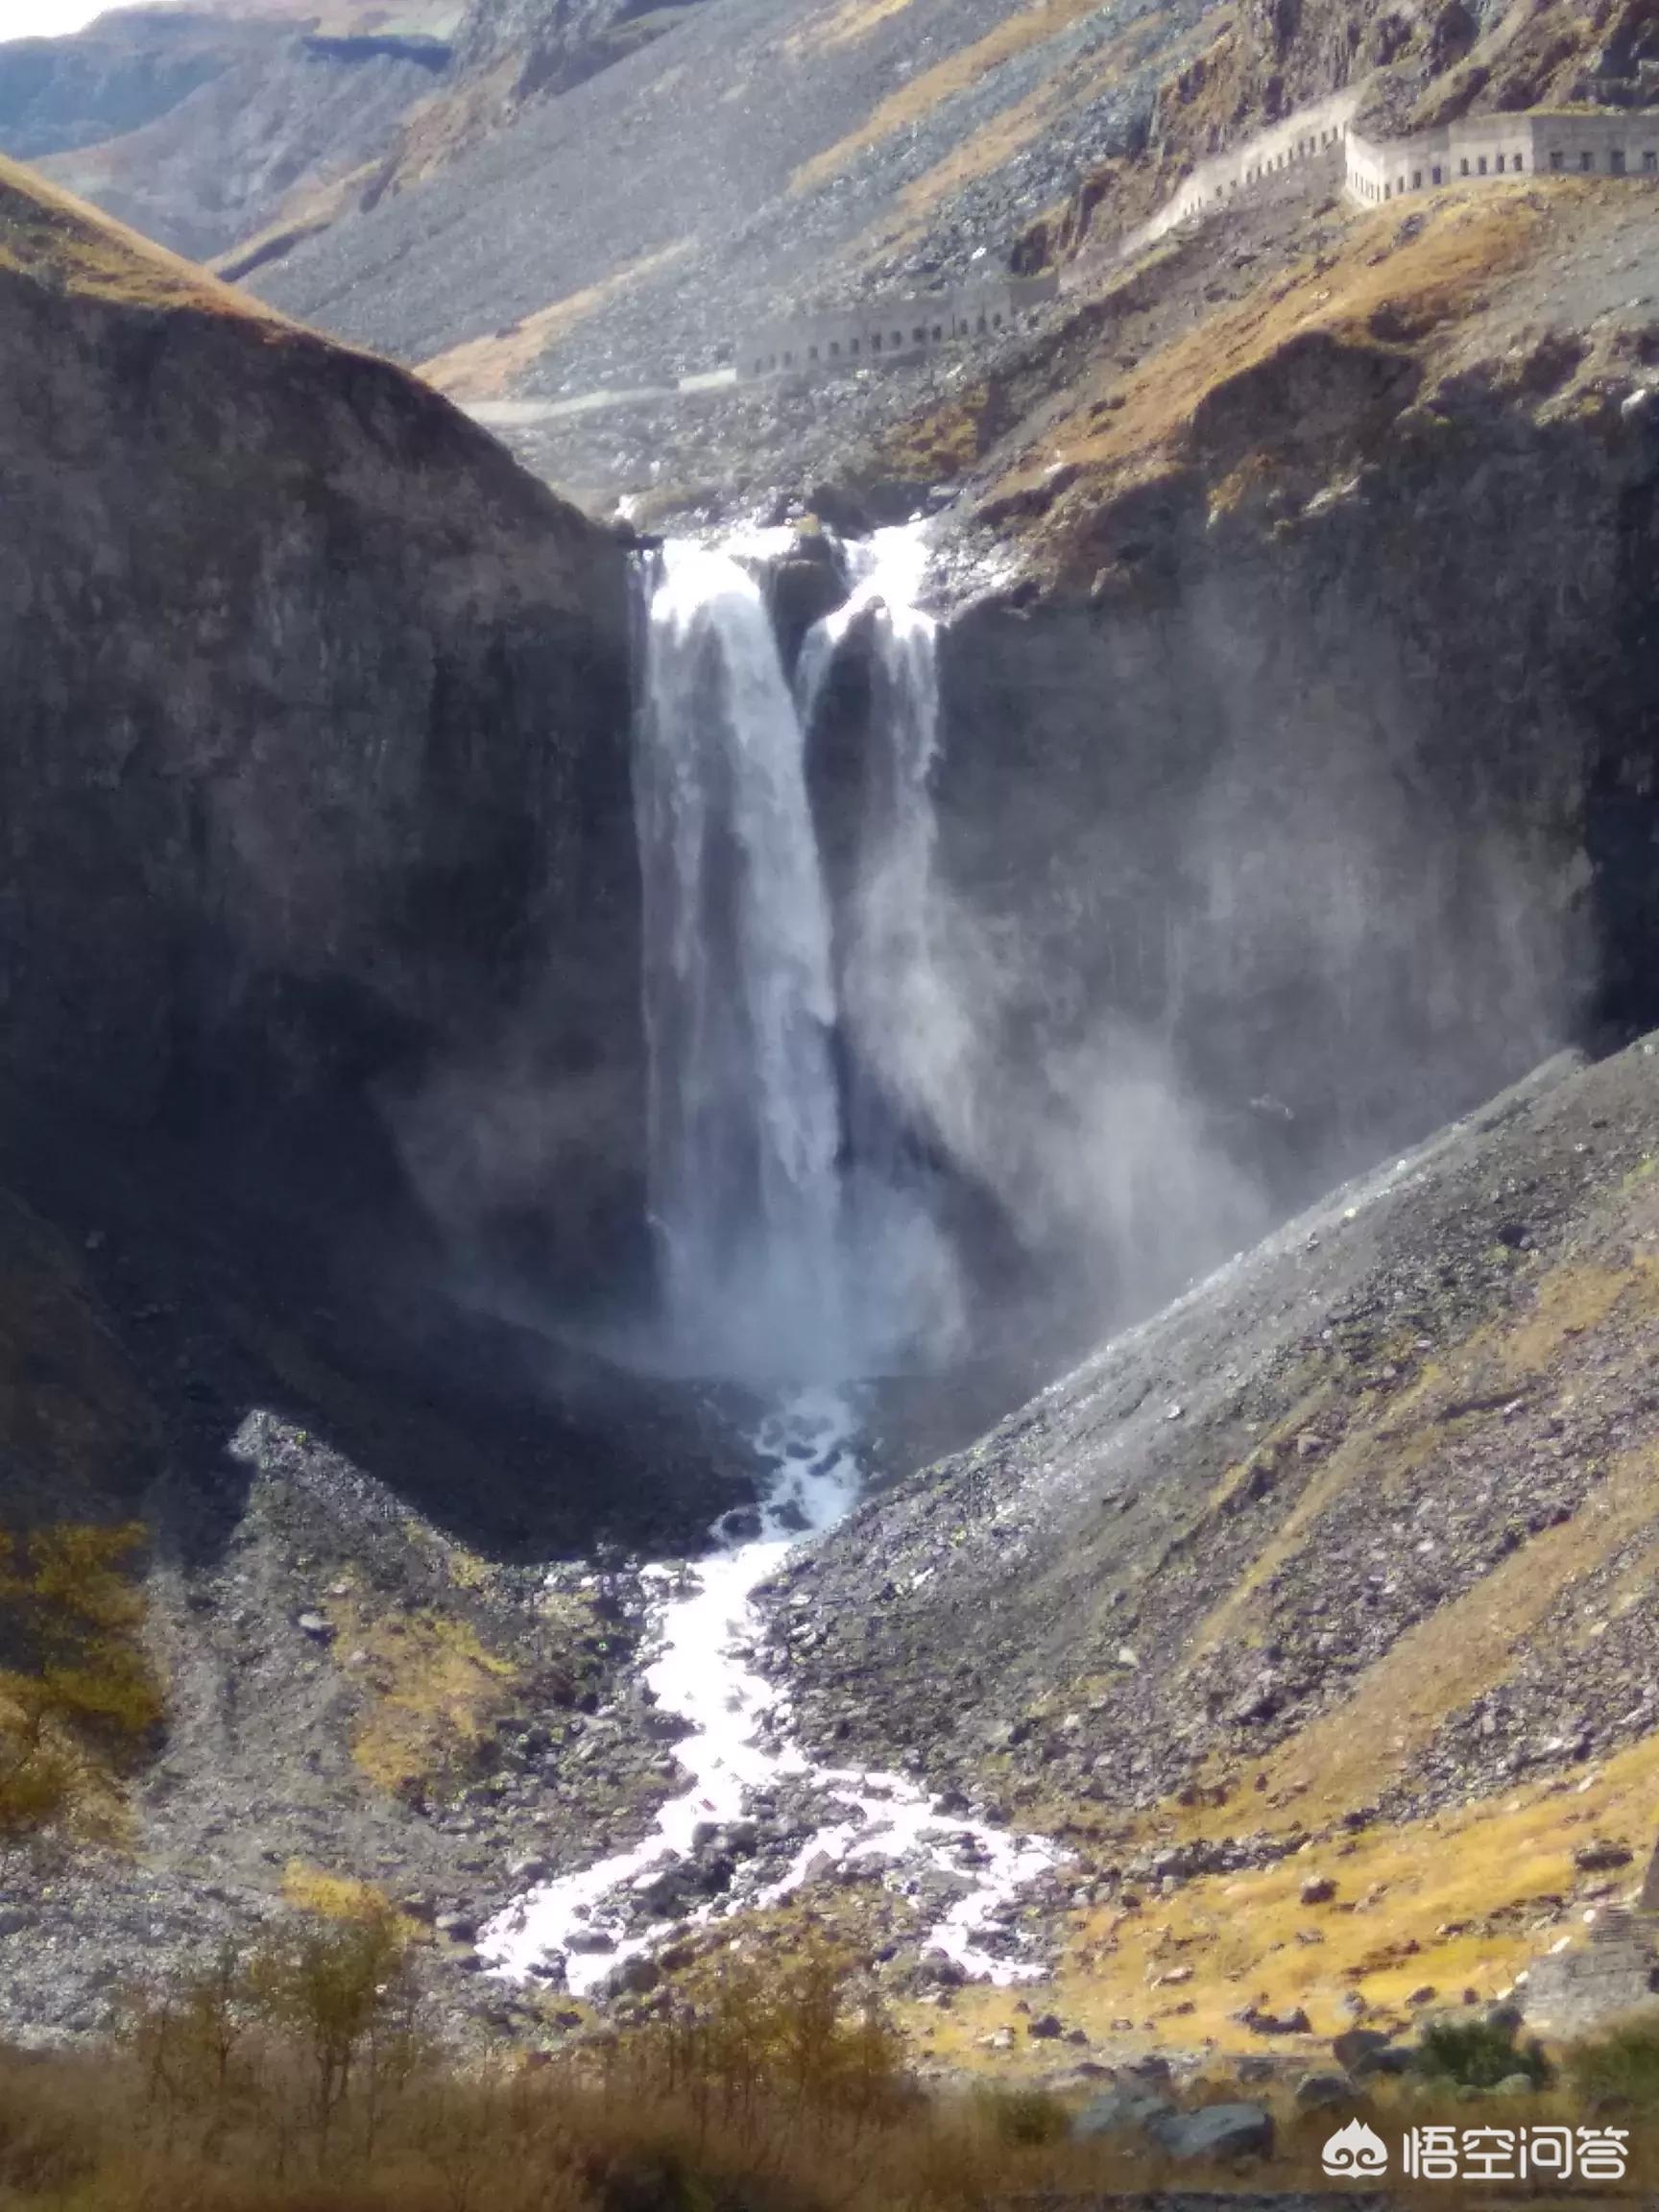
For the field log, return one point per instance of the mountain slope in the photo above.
(234, 874)
(199, 125)
(1330, 1559)
(278, 125)
(771, 150)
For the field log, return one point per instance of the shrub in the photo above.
(1478, 2055)
(1620, 2070)
(794, 2035)
(1021, 2117)
(77, 1697)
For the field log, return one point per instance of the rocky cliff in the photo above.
(317, 786)
(319, 1098)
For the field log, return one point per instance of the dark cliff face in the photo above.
(1320, 802)
(1318, 753)
(315, 785)
(1302, 795)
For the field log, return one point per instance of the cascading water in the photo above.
(905, 1028)
(790, 1256)
(738, 992)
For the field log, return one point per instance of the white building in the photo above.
(1606, 143)
(894, 328)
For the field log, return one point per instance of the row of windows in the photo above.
(1617, 167)
(921, 335)
(1314, 143)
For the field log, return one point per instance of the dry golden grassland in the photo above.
(300, 2078)
(1395, 284)
(51, 238)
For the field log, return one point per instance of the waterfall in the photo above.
(739, 997)
(796, 1232)
(794, 1249)
(907, 1040)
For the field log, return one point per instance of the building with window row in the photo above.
(1543, 143)
(897, 327)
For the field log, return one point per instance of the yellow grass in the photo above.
(1460, 1901)
(846, 23)
(487, 368)
(48, 235)
(1458, 1651)
(331, 1896)
(432, 1692)
(1397, 281)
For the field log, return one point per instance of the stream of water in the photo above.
(788, 1257)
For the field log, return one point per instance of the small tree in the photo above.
(77, 1691)
(344, 1993)
(187, 2037)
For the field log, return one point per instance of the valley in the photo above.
(826, 1179)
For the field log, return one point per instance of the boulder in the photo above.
(1516, 2085)
(809, 583)
(1120, 2111)
(633, 1978)
(1215, 2132)
(1601, 1855)
(1366, 2050)
(1320, 2092)
(1261, 2023)
(593, 1941)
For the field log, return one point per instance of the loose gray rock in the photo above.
(1217, 2131)
(1320, 2092)
(1601, 1855)
(1119, 2111)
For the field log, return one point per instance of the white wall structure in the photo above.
(896, 327)
(1543, 143)
(1301, 138)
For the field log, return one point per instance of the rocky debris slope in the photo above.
(1313, 1614)
(1224, 1553)
(834, 147)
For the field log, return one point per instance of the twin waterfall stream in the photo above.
(796, 1249)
